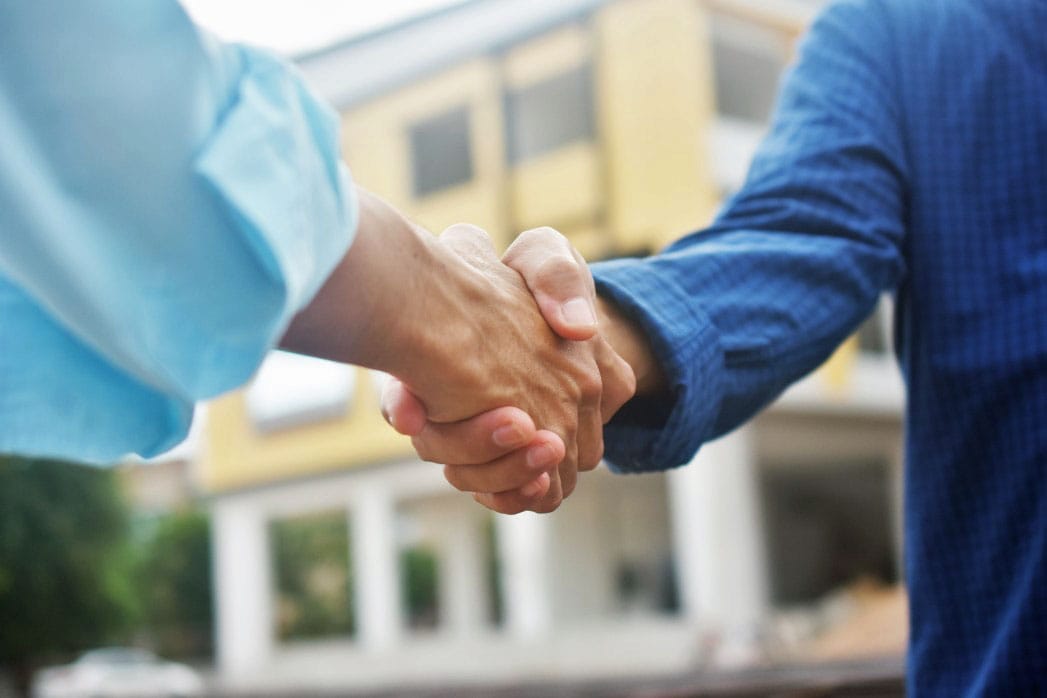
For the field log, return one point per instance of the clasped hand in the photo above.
(517, 408)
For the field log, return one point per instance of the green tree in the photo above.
(314, 582)
(419, 577)
(175, 574)
(65, 561)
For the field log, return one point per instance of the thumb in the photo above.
(402, 409)
(558, 278)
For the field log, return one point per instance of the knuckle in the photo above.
(590, 385)
(424, 449)
(555, 270)
(508, 508)
(568, 488)
(453, 477)
(548, 505)
(467, 229)
(543, 234)
(593, 459)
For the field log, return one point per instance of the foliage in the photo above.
(419, 574)
(175, 575)
(313, 576)
(65, 559)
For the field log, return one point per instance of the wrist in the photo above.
(629, 341)
(372, 309)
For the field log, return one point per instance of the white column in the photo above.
(376, 571)
(243, 587)
(464, 597)
(523, 549)
(717, 539)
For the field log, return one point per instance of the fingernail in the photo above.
(387, 411)
(508, 435)
(541, 457)
(579, 312)
(535, 488)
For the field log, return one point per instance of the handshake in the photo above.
(505, 369)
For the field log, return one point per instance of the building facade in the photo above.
(623, 124)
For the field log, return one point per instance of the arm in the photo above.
(476, 459)
(168, 201)
(464, 334)
(791, 266)
(718, 324)
(175, 203)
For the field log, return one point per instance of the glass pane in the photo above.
(748, 61)
(826, 526)
(420, 594)
(871, 336)
(441, 152)
(549, 114)
(312, 575)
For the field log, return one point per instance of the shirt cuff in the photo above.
(664, 432)
(275, 162)
(275, 166)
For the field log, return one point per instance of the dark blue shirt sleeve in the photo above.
(792, 264)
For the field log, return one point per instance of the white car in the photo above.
(118, 672)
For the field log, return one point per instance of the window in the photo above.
(441, 152)
(549, 114)
(291, 390)
(312, 571)
(872, 335)
(419, 576)
(748, 61)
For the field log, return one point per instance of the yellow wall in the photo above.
(656, 106)
(377, 147)
(238, 454)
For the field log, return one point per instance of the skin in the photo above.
(556, 275)
(464, 335)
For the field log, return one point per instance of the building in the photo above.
(623, 123)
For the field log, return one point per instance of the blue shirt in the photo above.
(908, 153)
(167, 204)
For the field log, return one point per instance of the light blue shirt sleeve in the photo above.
(167, 204)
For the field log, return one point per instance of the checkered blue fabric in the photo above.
(908, 154)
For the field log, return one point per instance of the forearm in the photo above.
(373, 310)
(445, 317)
(178, 261)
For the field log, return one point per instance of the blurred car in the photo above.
(118, 672)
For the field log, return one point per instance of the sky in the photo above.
(293, 26)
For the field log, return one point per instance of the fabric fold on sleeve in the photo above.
(648, 435)
(274, 164)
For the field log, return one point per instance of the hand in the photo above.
(478, 459)
(557, 384)
(460, 329)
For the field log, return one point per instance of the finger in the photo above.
(471, 242)
(552, 499)
(590, 440)
(537, 488)
(479, 439)
(509, 472)
(517, 501)
(402, 409)
(561, 284)
(619, 381)
(514, 502)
